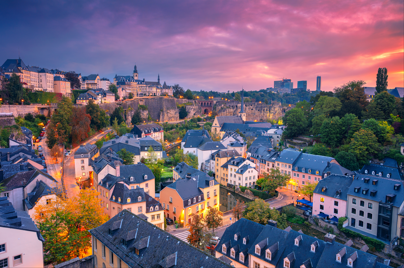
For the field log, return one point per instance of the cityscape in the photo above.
(202, 134)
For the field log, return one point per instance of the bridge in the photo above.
(206, 106)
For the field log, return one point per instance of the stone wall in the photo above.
(254, 110)
(7, 120)
(193, 111)
(22, 110)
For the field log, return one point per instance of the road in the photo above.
(284, 198)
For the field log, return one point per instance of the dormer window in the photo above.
(388, 175)
(139, 198)
(303, 169)
(296, 168)
(241, 257)
(157, 208)
(268, 255)
(309, 170)
(233, 253)
(373, 173)
(373, 193)
(194, 199)
(338, 259)
(297, 240)
(365, 191)
(317, 172)
(151, 208)
(350, 263)
(113, 197)
(128, 200)
(131, 178)
(119, 199)
(224, 249)
(374, 182)
(313, 247)
(396, 187)
(286, 263)
(366, 180)
(245, 241)
(380, 174)
(211, 183)
(235, 237)
(145, 177)
(189, 202)
(257, 250)
(107, 184)
(357, 189)
(199, 198)
(366, 171)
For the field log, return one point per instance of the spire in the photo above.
(158, 79)
(242, 101)
(135, 70)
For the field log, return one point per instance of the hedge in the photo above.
(44, 97)
(371, 242)
(260, 194)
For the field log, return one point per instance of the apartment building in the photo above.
(152, 130)
(220, 158)
(21, 243)
(82, 160)
(61, 85)
(192, 195)
(126, 240)
(241, 172)
(90, 82)
(46, 80)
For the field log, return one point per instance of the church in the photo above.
(141, 87)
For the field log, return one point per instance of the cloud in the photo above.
(210, 44)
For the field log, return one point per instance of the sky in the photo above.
(211, 44)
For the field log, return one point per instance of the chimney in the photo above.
(273, 223)
(8, 156)
(188, 175)
(329, 238)
(118, 168)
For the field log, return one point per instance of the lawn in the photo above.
(167, 172)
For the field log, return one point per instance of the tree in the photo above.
(237, 211)
(114, 89)
(353, 92)
(15, 92)
(272, 181)
(62, 119)
(131, 95)
(331, 131)
(260, 212)
(188, 95)
(237, 97)
(115, 126)
(126, 156)
(191, 160)
(80, 123)
(347, 160)
(98, 116)
(137, 117)
(349, 122)
(379, 131)
(73, 79)
(195, 230)
(178, 91)
(364, 145)
(350, 107)
(308, 189)
(296, 123)
(64, 224)
(213, 219)
(326, 105)
(382, 105)
(29, 117)
(51, 139)
(381, 80)
(123, 129)
(316, 124)
(117, 113)
(183, 112)
(321, 149)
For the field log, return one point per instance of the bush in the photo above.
(260, 194)
(290, 211)
(378, 245)
(143, 107)
(44, 97)
(341, 222)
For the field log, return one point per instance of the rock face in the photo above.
(254, 110)
(193, 111)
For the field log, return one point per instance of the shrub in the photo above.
(341, 222)
(289, 211)
(378, 245)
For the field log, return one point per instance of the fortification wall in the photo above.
(22, 110)
(254, 110)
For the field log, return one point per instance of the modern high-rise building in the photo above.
(277, 84)
(302, 84)
(318, 86)
(284, 83)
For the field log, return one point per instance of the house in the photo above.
(217, 159)
(194, 194)
(220, 120)
(182, 170)
(266, 163)
(152, 130)
(16, 159)
(330, 197)
(127, 142)
(127, 240)
(241, 172)
(397, 92)
(42, 194)
(373, 206)
(336, 169)
(285, 161)
(232, 140)
(21, 138)
(104, 83)
(370, 92)
(261, 147)
(62, 85)
(388, 169)
(21, 243)
(193, 134)
(46, 80)
(276, 134)
(249, 244)
(105, 164)
(82, 160)
(206, 149)
(90, 82)
(99, 96)
(147, 144)
(20, 185)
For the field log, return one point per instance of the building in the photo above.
(370, 92)
(194, 194)
(276, 134)
(46, 80)
(193, 134)
(285, 161)
(82, 160)
(400, 222)
(106, 163)
(23, 138)
(241, 172)
(99, 96)
(388, 169)
(330, 197)
(373, 206)
(283, 84)
(249, 244)
(104, 83)
(152, 130)
(21, 243)
(397, 92)
(302, 85)
(318, 83)
(42, 194)
(220, 158)
(127, 240)
(151, 149)
(90, 82)
(61, 85)
(127, 142)
(182, 170)
(19, 186)
(220, 120)
(232, 140)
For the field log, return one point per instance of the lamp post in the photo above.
(22, 101)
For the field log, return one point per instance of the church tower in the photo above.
(158, 79)
(242, 114)
(135, 74)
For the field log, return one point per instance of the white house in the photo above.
(82, 158)
(206, 149)
(242, 172)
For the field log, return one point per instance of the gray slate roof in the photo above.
(41, 189)
(212, 145)
(196, 133)
(386, 171)
(310, 162)
(334, 186)
(127, 142)
(229, 119)
(159, 249)
(288, 156)
(336, 169)
(88, 150)
(225, 153)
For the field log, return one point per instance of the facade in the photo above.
(194, 135)
(249, 244)
(127, 240)
(302, 85)
(90, 82)
(373, 206)
(42, 195)
(21, 243)
(220, 158)
(99, 95)
(241, 172)
(232, 140)
(276, 135)
(46, 80)
(330, 196)
(147, 144)
(206, 149)
(82, 160)
(318, 83)
(152, 130)
(104, 83)
(194, 194)
(61, 85)
(127, 142)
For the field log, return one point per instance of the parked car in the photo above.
(214, 240)
(42, 133)
(39, 148)
(169, 221)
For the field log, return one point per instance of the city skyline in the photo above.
(210, 45)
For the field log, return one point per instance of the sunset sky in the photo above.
(211, 45)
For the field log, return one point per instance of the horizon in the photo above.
(209, 45)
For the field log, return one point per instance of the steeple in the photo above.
(158, 79)
(135, 74)
(135, 70)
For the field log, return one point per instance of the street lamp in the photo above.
(22, 101)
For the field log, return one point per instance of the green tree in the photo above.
(260, 212)
(114, 89)
(347, 160)
(213, 219)
(237, 97)
(308, 189)
(51, 139)
(331, 131)
(131, 95)
(98, 116)
(272, 181)
(379, 131)
(62, 119)
(188, 95)
(348, 122)
(326, 105)
(183, 112)
(178, 91)
(353, 92)
(321, 149)
(137, 117)
(316, 124)
(117, 113)
(382, 105)
(191, 160)
(123, 129)
(15, 92)
(126, 156)
(381, 80)
(115, 125)
(237, 210)
(74, 80)
(364, 145)
(296, 123)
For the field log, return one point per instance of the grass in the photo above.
(167, 172)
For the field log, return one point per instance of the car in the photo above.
(39, 148)
(169, 221)
(37, 140)
(42, 133)
(214, 240)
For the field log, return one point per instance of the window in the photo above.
(175, 210)
(194, 199)
(268, 255)
(360, 224)
(361, 213)
(4, 263)
(322, 199)
(199, 198)
(338, 258)
(151, 208)
(111, 258)
(353, 200)
(189, 211)
(214, 202)
(2, 248)
(82, 161)
(103, 251)
(362, 203)
(353, 211)
(147, 185)
(95, 243)
(168, 207)
(128, 200)
(224, 249)
(84, 174)
(82, 167)
(321, 207)
(335, 211)
(153, 217)
(139, 198)
(214, 192)
(336, 203)
(232, 253)
(370, 205)
(244, 241)
(139, 209)
(208, 194)
(369, 215)
(235, 237)
(369, 226)
(257, 265)
(353, 222)
(189, 202)
(241, 257)
(257, 250)
(158, 216)
(286, 263)
(350, 261)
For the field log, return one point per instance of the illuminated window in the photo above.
(322, 199)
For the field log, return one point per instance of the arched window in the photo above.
(128, 200)
(157, 208)
(131, 178)
(151, 208)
